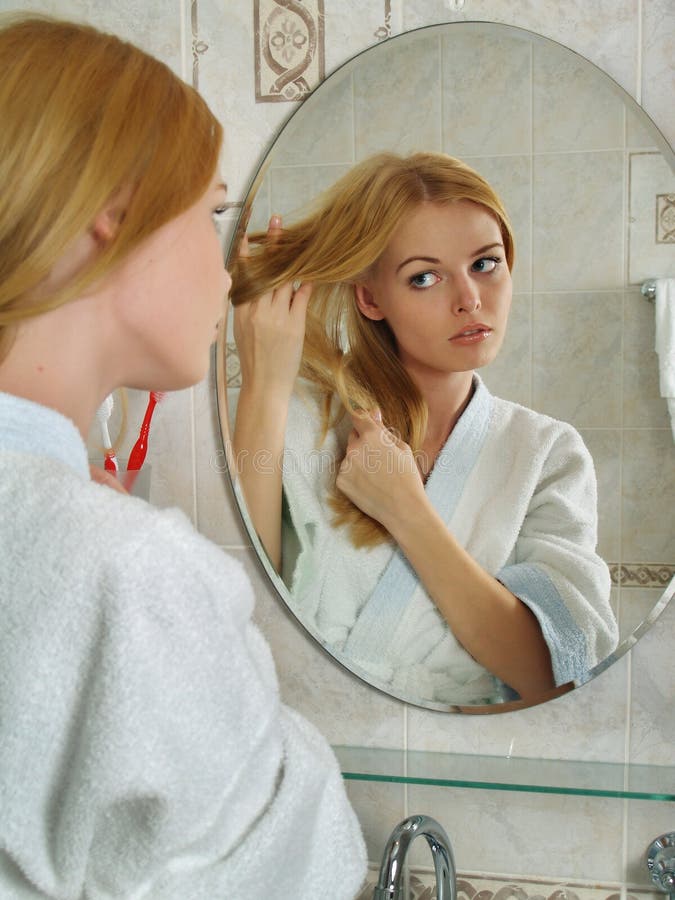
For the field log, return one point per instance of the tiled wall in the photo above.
(627, 713)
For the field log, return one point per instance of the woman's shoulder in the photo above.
(531, 425)
(115, 545)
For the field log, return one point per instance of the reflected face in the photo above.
(444, 288)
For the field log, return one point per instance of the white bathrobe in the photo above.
(518, 491)
(144, 752)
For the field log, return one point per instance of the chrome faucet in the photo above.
(390, 883)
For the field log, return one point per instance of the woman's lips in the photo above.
(472, 334)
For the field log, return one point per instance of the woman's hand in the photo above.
(100, 476)
(379, 473)
(270, 333)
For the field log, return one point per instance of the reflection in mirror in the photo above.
(508, 506)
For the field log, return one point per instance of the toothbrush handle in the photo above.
(110, 463)
(140, 448)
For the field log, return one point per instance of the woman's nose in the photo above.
(466, 296)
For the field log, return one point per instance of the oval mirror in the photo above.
(589, 184)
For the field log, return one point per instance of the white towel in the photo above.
(665, 342)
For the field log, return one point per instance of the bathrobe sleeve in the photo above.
(556, 571)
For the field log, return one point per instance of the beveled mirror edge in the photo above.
(222, 405)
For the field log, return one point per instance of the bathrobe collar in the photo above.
(28, 427)
(394, 592)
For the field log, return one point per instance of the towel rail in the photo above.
(648, 290)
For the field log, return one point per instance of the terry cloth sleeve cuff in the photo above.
(564, 638)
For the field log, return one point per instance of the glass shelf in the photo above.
(496, 773)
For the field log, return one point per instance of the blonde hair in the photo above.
(85, 115)
(334, 247)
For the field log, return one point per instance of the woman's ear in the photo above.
(365, 300)
(107, 221)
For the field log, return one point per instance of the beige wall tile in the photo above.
(578, 211)
(322, 129)
(643, 405)
(352, 26)
(604, 445)
(217, 514)
(648, 491)
(638, 604)
(510, 375)
(577, 24)
(652, 733)
(397, 97)
(486, 84)
(227, 81)
(575, 108)
(658, 64)
(379, 807)
(156, 27)
(525, 834)
(293, 188)
(640, 130)
(576, 357)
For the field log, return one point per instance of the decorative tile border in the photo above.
(641, 575)
(384, 31)
(422, 886)
(232, 367)
(665, 218)
(198, 47)
(289, 49)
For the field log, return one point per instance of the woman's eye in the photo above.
(424, 280)
(218, 216)
(486, 264)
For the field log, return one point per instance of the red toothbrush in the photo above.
(140, 448)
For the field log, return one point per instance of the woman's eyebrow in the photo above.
(437, 262)
(487, 247)
(429, 259)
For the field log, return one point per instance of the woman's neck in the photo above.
(55, 361)
(446, 397)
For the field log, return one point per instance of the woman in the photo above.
(463, 568)
(143, 748)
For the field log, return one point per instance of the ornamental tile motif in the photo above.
(641, 575)
(289, 49)
(384, 31)
(421, 886)
(665, 218)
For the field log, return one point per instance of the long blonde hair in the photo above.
(84, 115)
(346, 354)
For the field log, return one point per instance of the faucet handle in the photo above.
(661, 862)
